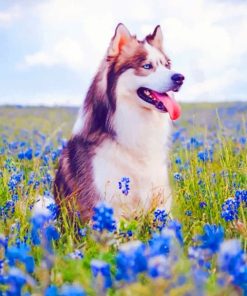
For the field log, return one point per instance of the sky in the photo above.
(51, 49)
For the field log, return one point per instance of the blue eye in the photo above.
(147, 66)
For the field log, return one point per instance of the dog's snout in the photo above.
(178, 78)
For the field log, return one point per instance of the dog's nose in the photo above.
(178, 78)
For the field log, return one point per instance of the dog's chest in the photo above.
(142, 159)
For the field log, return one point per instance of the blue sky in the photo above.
(50, 49)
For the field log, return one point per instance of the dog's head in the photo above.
(143, 71)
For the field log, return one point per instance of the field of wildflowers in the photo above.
(199, 250)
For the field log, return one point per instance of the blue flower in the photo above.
(82, 232)
(50, 234)
(103, 218)
(43, 231)
(241, 196)
(15, 280)
(29, 154)
(101, 269)
(205, 155)
(77, 254)
(178, 160)
(123, 185)
(130, 261)
(212, 238)
(20, 253)
(202, 204)
(232, 261)
(178, 177)
(72, 290)
(229, 210)
(160, 244)
(51, 291)
(195, 143)
(177, 228)
(54, 209)
(188, 213)
(160, 218)
(159, 266)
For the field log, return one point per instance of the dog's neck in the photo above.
(143, 131)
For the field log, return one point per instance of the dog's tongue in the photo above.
(171, 105)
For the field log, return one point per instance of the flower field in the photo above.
(198, 250)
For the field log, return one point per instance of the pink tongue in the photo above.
(171, 105)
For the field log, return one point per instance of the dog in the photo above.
(123, 130)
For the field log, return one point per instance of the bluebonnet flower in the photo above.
(177, 134)
(176, 226)
(47, 179)
(2, 151)
(160, 218)
(82, 232)
(103, 218)
(178, 177)
(200, 277)
(241, 196)
(15, 179)
(199, 170)
(205, 155)
(195, 143)
(42, 231)
(51, 291)
(20, 253)
(200, 257)
(178, 160)
(15, 281)
(50, 234)
(54, 210)
(229, 210)
(202, 204)
(124, 186)
(77, 254)
(242, 140)
(188, 213)
(72, 290)
(212, 238)
(232, 261)
(101, 271)
(130, 261)
(159, 266)
(13, 145)
(28, 154)
(160, 244)
(127, 233)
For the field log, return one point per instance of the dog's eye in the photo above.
(168, 64)
(147, 66)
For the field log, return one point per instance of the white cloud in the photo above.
(66, 52)
(9, 16)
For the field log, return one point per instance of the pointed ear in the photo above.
(122, 36)
(156, 39)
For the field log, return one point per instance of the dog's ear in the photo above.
(121, 37)
(156, 38)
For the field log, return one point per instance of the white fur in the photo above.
(41, 204)
(140, 154)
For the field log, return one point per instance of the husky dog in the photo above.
(123, 131)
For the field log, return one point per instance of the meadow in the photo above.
(198, 250)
